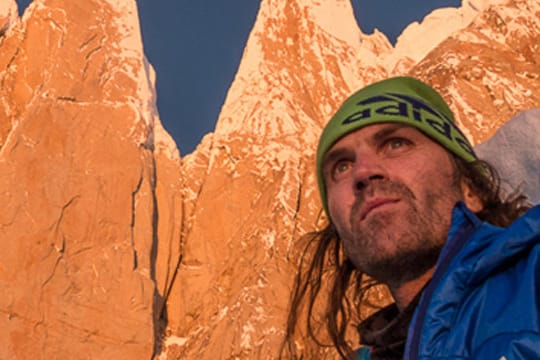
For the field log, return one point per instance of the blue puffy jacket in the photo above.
(483, 301)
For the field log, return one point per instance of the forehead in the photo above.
(375, 132)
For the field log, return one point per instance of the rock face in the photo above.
(489, 70)
(81, 151)
(257, 167)
(115, 248)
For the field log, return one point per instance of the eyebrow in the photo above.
(380, 135)
(387, 131)
(332, 156)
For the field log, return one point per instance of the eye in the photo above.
(396, 143)
(341, 167)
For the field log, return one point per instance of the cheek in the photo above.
(434, 185)
(339, 207)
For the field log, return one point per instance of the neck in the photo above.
(404, 293)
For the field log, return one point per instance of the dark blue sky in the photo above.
(195, 47)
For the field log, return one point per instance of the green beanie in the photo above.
(400, 99)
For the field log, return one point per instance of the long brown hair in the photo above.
(328, 282)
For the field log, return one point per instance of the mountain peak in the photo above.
(115, 247)
(257, 168)
(294, 48)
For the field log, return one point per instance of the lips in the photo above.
(373, 204)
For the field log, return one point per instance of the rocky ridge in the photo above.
(81, 150)
(295, 71)
(115, 247)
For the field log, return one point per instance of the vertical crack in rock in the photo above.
(301, 180)
(8, 67)
(183, 235)
(5, 100)
(86, 43)
(160, 322)
(60, 218)
(133, 217)
(60, 250)
(170, 283)
(91, 52)
(155, 220)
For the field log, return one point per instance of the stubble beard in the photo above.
(395, 249)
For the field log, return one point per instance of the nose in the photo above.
(366, 170)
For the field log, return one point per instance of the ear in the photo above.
(472, 201)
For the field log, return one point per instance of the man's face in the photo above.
(390, 190)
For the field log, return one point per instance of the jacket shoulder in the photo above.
(491, 280)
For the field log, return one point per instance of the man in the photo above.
(411, 206)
